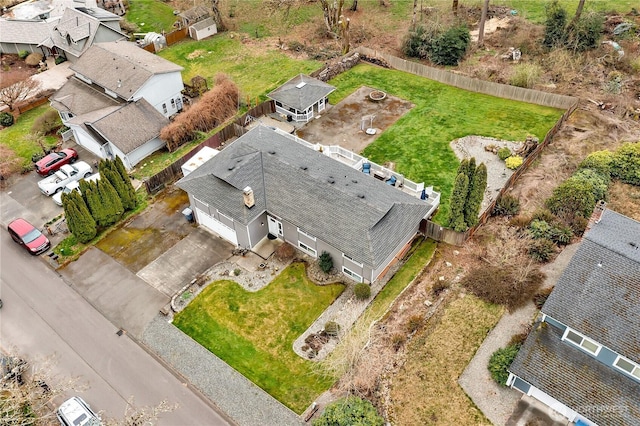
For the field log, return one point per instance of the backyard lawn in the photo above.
(151, 15)
(418, 143)
(254, 332)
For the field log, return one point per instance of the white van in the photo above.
(71, 186)
(75, 412)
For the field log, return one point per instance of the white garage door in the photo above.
(216, 226)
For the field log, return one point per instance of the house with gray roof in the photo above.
(68, 35)
(265, 184)
(301, 97)
(582, 358)
(119, 99)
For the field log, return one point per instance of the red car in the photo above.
(52, 162)
(28, 236)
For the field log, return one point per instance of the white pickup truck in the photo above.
(72, 186)
(66, 174)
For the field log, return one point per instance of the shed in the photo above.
(203, 29)
(200, 157)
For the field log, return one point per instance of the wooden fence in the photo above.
(234, 129)
(29, 105)
(472, 84)
(171, 38)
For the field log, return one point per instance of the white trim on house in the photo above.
(305, 248)
(306, 235)
(355, 262)
(584, 342)
(634, 368)
(351, 274)
(214, 225)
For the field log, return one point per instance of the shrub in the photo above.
(541, 297)
(599, 181)
(458, 199)
(451, 46)
(284, 252)
(475, 195)
(440, 286)
(362, 291)
(586, 32)
(332, 328)
(600, 161)
(397, 340)
(349, 411)
(414, 322)
(500, 361)
(417, 43)
(61, 59)
(47, 123)
(513, 162)
(325, 262)
(539, 229)
(554, 29)
(507, 286)
(520, 221)
(507, 205)
(504, 153)
(23, 54)
(34, 59)
(573, 196)
(525, 75)
(543, 214)
(6, 119)
(626, 163)
(542, 249)
(557, 233)
(236, 272)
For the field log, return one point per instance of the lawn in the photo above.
(151, 15)
(254, 332)
(426, 390)
(19, 138)
(255, 71)
(418, 143)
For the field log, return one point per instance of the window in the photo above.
(628, 366)
(173, 104)
(351, 259)
(164, 108)
(581, 341)
(352, 274)
(305, 248)
(306, 235)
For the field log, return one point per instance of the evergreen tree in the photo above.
(458, 199)
(555, 26)
(477, 188)
(79, 220)
(119, 166)
(95, 204)
(116, 181)
(471, 169)
(464, 167)
(110, 201)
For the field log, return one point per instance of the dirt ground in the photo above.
(341, 124)
(14, 69)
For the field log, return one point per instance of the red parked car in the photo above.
(52, 162)
(28, 236)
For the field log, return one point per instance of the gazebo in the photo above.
(301, 97)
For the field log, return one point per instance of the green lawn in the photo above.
(19, 138)
(254, 332)
(255, 72)
(151, 15)
(419, 141)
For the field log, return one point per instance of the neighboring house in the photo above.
(119, 99)
(68, 35)
(301, 97)
(267, 183)
(582, 358)
(44, 9)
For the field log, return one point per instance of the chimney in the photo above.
(601, 206)
(247, 195)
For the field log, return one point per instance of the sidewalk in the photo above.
(496, 402)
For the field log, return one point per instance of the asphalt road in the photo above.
(42, 317)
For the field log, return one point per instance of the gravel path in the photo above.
(498, 402)
(239, 398)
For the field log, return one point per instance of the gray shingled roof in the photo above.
(27, 32)
(598, 294)
(351, 211)
(576, 379)
(131, 126)
(79, 98)
(121, 66)
(303, 97)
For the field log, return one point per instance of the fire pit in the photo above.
(377, 95)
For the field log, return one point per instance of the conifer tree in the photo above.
(110, 201)
(118, 184)
(119, 166)
(95, 204)
(458, 199)
(79, 220)
(477, 188)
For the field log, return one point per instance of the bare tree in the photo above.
(217, 16)
(579, 10)
(354, 6)
(332, 10)
(344, 24)
(17, 92)
(454, 7)
(9, 163)
(415, 11)
(140, 416)
(483, 19)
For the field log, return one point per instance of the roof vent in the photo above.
(247, 195)
(301, 85)
(272, 152)
(354, 181)
(231, 168)
(304, 167)
(331, 180)
(361, 196)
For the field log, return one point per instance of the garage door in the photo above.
(216, 226)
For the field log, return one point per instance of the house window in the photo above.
(581, 341)
(278, 103)
(164, 108)
(306, 235)
(305, 248)
(352, 259)
(628, 366)
(352, 274)
(173, 104)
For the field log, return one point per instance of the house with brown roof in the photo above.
(582, 358)
(119, 99)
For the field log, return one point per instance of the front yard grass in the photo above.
(19, 138)
(418, 143)
(254, 332)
